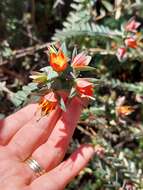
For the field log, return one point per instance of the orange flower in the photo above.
(80, 60)
(58, 61)
(124, 110)
(84, 88)
(131, 42)
(48, 103)
(132, 25)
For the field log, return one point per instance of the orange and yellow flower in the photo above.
(81, 60)
(48, 103)
(58, 61)
(84, 88)
(124, 110)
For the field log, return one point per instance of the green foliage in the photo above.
(21, 96)
(81, 29)
(78, 24)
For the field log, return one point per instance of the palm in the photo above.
(21, 136)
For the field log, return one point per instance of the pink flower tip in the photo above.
(121, 53)
(81, 60)
(132, 25)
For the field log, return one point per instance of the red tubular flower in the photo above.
(48, 103)
(121, 53)
(132, 25)
(131, 42)
(84, 88)
(58, 61)
(80, 60)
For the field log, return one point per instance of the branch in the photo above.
(16, 54)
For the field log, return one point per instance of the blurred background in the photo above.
(114, 119)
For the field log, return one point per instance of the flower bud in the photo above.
(132, 25)
(121, 53)
(131, 42)
(84, 88)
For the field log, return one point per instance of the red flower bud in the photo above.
(121, 53)
(84, 88)
(131, 42)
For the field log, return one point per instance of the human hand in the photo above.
(46, 141)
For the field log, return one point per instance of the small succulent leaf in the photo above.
(72, 92)
(51, 49)
(16, 101)
(26, 89)
(22, 95)
(34, 73)
(32, 86)
(74, 53)
(85, 68)
(53, 74)
(46, 69)
(34, 98)
(64, 48)
(62, 104)
(50, 72)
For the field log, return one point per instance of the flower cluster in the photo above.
(131, 39)
(62, 74)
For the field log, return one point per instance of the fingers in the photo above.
(33, 134)
(14, 122)
(59, 177)
(52, 152)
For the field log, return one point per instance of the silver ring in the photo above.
(35, 166)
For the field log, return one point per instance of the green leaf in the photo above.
(32, 86)
(64, 48)
(62, 104)
(87, 29)
(22, 95)
(85, 68)
(53, 74)
(72, 92)
(107, 5)
(51, 49)
(26, 89)
(16, 101)
(46, 69)
(50, 72)
(74, 53)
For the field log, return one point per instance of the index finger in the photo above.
(11, 124)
